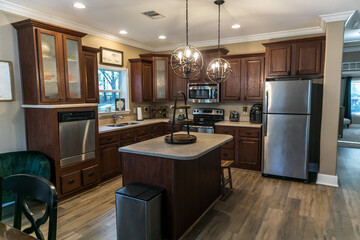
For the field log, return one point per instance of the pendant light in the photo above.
(186, 61)
(219, 70)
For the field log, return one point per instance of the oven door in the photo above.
(200, 129)
(202, 93)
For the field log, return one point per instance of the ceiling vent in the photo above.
(153, 14)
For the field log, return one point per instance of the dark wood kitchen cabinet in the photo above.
(244, 149)
(176, 84)
(253, 78)
(231, 88)
(42, 133)
(110, 164)
(295, 58)
(51, 63)
(248, 148)
(91, 74)
(141, 80)
(245, 83)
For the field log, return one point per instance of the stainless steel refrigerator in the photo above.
(291, 127)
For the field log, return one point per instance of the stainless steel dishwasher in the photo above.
(76, 136)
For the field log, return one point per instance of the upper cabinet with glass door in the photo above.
(160, 79)
(51, 63)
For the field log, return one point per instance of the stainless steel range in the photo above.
(205, 119)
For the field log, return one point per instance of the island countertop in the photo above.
(157, 147)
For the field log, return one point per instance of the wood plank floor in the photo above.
(258, 208)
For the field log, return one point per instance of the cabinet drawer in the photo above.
(126, 134)
(229, 145)
(142, 131)
(70, 182)
(144, 138)
(127, 142)
(227, 154)
(90, 175)
(249, 132)
(109, 138)
(225, 130)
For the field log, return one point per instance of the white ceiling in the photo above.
(258, 18)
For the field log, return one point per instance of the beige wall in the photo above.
(12, 122)
(331, 97)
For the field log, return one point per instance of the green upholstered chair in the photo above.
(23, 162)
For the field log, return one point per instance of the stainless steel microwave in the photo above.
(203, 92)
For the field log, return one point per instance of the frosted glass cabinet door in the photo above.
(161, 78)
(73, 75)
(49, 66)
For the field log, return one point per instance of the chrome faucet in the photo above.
(117, 117)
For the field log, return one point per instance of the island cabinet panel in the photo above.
(228, 149)
(191, 186)
(295, 58)
(51, 63)
(91, 74)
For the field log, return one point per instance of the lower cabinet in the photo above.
(110, 164)
(244, 149)
(75, 180)
(110, 158)
(248, 153)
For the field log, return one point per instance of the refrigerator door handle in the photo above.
(266, 112)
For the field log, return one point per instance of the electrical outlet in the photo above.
(146, 109)
(245, 110)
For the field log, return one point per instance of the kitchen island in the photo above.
(189, 173)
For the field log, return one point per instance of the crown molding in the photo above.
(30, 13)
(335, 17)
(250, 38)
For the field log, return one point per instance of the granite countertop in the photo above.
(238, 124)
(157, 147)
(105, 129)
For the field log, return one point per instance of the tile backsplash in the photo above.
(239, 107)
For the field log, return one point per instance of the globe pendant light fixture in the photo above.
(186, 61)
(219, 70)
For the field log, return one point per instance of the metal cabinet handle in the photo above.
(248, 133)
(108, 138)
(68, 99)
(71, 181)
(225, 154)
(226, 131)
(90, 174)
(288, 73)
(297, 72)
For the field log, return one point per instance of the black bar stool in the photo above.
(226, 164)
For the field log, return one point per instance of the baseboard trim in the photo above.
(328, 180)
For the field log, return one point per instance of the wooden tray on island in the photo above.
(180, 139)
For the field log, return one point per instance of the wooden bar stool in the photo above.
(225, 164)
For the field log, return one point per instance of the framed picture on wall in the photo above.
(6, 79)
(111, 57)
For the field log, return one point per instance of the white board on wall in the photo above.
(5, 81)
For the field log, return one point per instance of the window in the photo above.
(355, 97)
(113, 84)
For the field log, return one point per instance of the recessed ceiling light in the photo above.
(162, 37)
(123, 32)
(79, 5)
(235, 26)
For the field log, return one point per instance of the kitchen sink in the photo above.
(122, 124)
